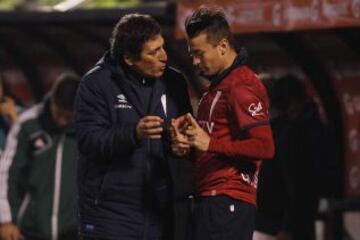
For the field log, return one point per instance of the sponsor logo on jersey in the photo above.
(208, 126)
(256, 109)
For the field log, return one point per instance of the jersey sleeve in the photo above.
(250, 105)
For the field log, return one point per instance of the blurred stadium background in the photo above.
(317, 40)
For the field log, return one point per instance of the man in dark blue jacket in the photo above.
(130, 184)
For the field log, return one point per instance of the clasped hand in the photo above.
(185, 133)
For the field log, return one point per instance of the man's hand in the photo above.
(197, 137)
(9, 231)
(180, 145)
(149, 127)
(8, 108)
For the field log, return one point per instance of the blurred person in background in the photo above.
(8, 112)
(38, 194)
(231, 136)
(289, 186)
(131, 186)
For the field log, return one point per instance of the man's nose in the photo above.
(163, 56)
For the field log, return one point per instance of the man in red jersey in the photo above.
(231, 135)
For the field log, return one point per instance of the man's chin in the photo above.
(204, 74)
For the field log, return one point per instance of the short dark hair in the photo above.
(64, 90)
(130, 34)
(212, 21)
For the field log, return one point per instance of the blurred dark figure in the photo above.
(38, 195)
(289, 186)
(8, 112)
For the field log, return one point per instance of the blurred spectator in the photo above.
(289, 186)
(38, 170)
(8, 112)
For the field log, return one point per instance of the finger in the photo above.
(152, 131)
(176, 130)
(182, 141)
(190, 132)
(191, 120)
(153, 136)
(172, 133)
(151, 124)
(184, 127)
(181, 119)
(152, 118)
(183, 146)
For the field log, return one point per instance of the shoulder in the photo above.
(245, 78)
(28, 118)
(97, 81)
(98, 75)
(31, 113)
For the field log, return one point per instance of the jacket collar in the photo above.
(119, 75)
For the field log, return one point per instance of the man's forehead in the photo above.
(153, 43)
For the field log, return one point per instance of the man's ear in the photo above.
(223, 46)
(129, 61)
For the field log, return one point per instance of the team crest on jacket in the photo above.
(256, 109)
(40, 141)
(121, 102)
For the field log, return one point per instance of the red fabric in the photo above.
(235, 114)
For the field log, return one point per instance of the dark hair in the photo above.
(130, 34)
(211, 21)
(64, 91)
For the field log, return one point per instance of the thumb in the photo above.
(191, 120)
(175, 127)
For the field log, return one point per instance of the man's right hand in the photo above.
(9, 231)
(149, 127)
(180, 145)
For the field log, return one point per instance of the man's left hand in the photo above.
(197, 137)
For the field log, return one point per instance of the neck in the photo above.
(229, 60)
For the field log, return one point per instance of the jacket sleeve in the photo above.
(96, 134)
(249, 105)
(13, 167)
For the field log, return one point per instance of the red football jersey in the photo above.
(227, 111)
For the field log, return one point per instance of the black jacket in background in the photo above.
(121, 180)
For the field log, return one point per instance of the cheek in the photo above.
(150, 65)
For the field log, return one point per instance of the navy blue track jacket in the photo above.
(116, 175)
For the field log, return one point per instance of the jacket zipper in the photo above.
(57, 189)
(24, 205)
